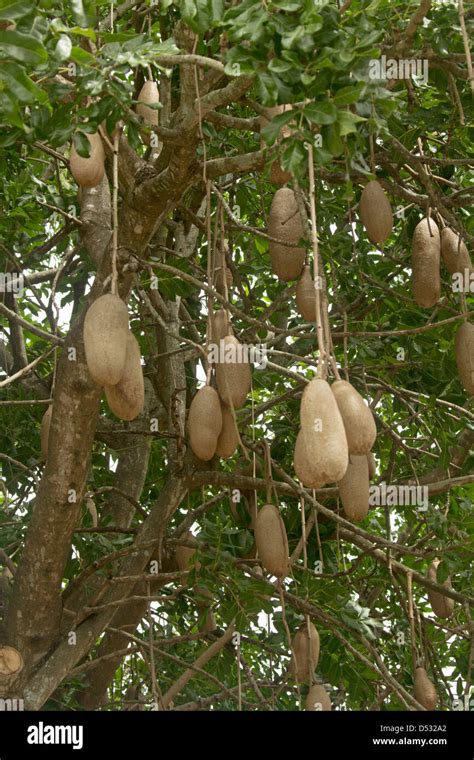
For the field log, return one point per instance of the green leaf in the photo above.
(273, 128)
(22, 47)
(11, 9)
(332, 140)
(83, 57)
(217, 9)
(294, 157)
(287, 5)
(348, 122)
(307, 79)
(442, 572)
(189, 10)
(79, 13)
(9, 107)
(373, 6)
(279, 67)
(63, 48)
(20, 84)
(89, 33)
(267, 88)
(82, 144)
(348, 95)
(321, 113)
(290, 40)
(322, 156)
(57, 25)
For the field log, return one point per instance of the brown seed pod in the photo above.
(284, 223)
(305, 648)
(233, 377)
(442, 606)
(88, 172)
(220, 325)
(44, 433)
(425, 259)
(208, 625)
(184, 554)
(376, 212)
(221, 275)
(303, 466)
(424, 690)
(358, 419)
(205, 423)
(148, 96)
(372, 465)
(11, 662)
(354, 488)
(323, 438)
(271, 540)
(228, 440)
(464, 346)
(127, 398)
(306, 296)
(106, 338)
(454, 252)
(318, 699)
(278, 176)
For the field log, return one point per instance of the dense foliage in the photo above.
(70, 68)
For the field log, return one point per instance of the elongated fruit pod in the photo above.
(305, 468)
(278, 176)
(306, 296)
(358, 419)
(465, 356)
(205, 423)
(272, 541)
(372, 465)
(425, 261)
(233, 374)
(184, 553)
(44, 433)
(322, 445)
(148, 96)
(318, 699)
(305, 648)
(89, 171)
(220, 325)
(223, 275)
(454, 252)
(284, 223)
(376, 212)
(442, 606)
(106, 339)
(127, 398)
(208, 624)
(354, 488)
(424, 690)
(228, 439)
